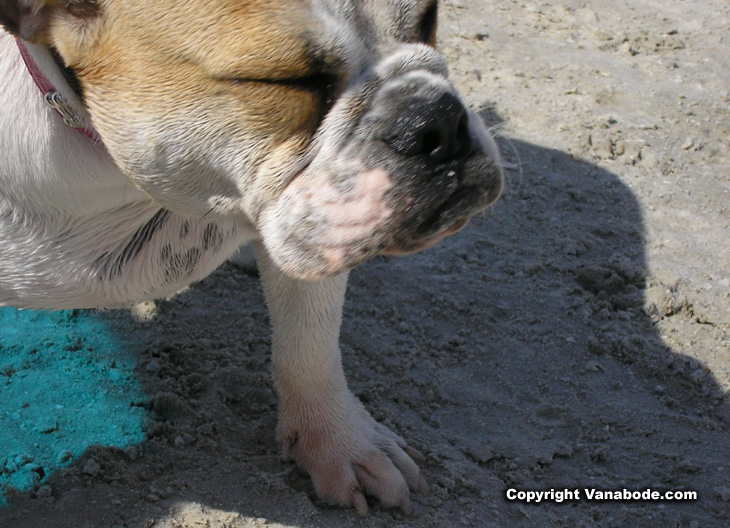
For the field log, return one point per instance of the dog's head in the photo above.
(330, 126)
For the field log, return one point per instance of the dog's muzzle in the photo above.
(411, 168)
(446, 167)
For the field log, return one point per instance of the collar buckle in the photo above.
(60, 105)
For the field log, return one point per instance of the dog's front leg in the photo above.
(322, 426)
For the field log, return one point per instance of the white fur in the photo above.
(64, 203)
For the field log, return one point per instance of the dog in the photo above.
(165, 135)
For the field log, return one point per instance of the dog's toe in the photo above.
(357, 458)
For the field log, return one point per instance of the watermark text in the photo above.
(592, 494)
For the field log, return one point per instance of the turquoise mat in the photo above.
(66, 383)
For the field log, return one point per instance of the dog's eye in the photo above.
(322, 84)
(427, 27)
(316, 82)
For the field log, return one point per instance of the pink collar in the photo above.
(54, 99)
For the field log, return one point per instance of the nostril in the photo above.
(438, 130)
(431, 143)
(447, 141)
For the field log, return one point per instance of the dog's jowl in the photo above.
(144, 141)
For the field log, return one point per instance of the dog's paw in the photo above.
(348, 455)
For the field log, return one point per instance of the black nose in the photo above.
(438, 130)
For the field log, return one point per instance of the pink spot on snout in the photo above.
(334, 219)
(354, 214)
(362, 203)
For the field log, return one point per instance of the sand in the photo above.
(574, 336)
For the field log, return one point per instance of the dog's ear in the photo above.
(30, 19)
(24, 18)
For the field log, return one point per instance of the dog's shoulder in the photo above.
(74, 230)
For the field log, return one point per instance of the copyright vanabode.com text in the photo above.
(591, 494)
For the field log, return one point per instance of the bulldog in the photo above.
(144, 141)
